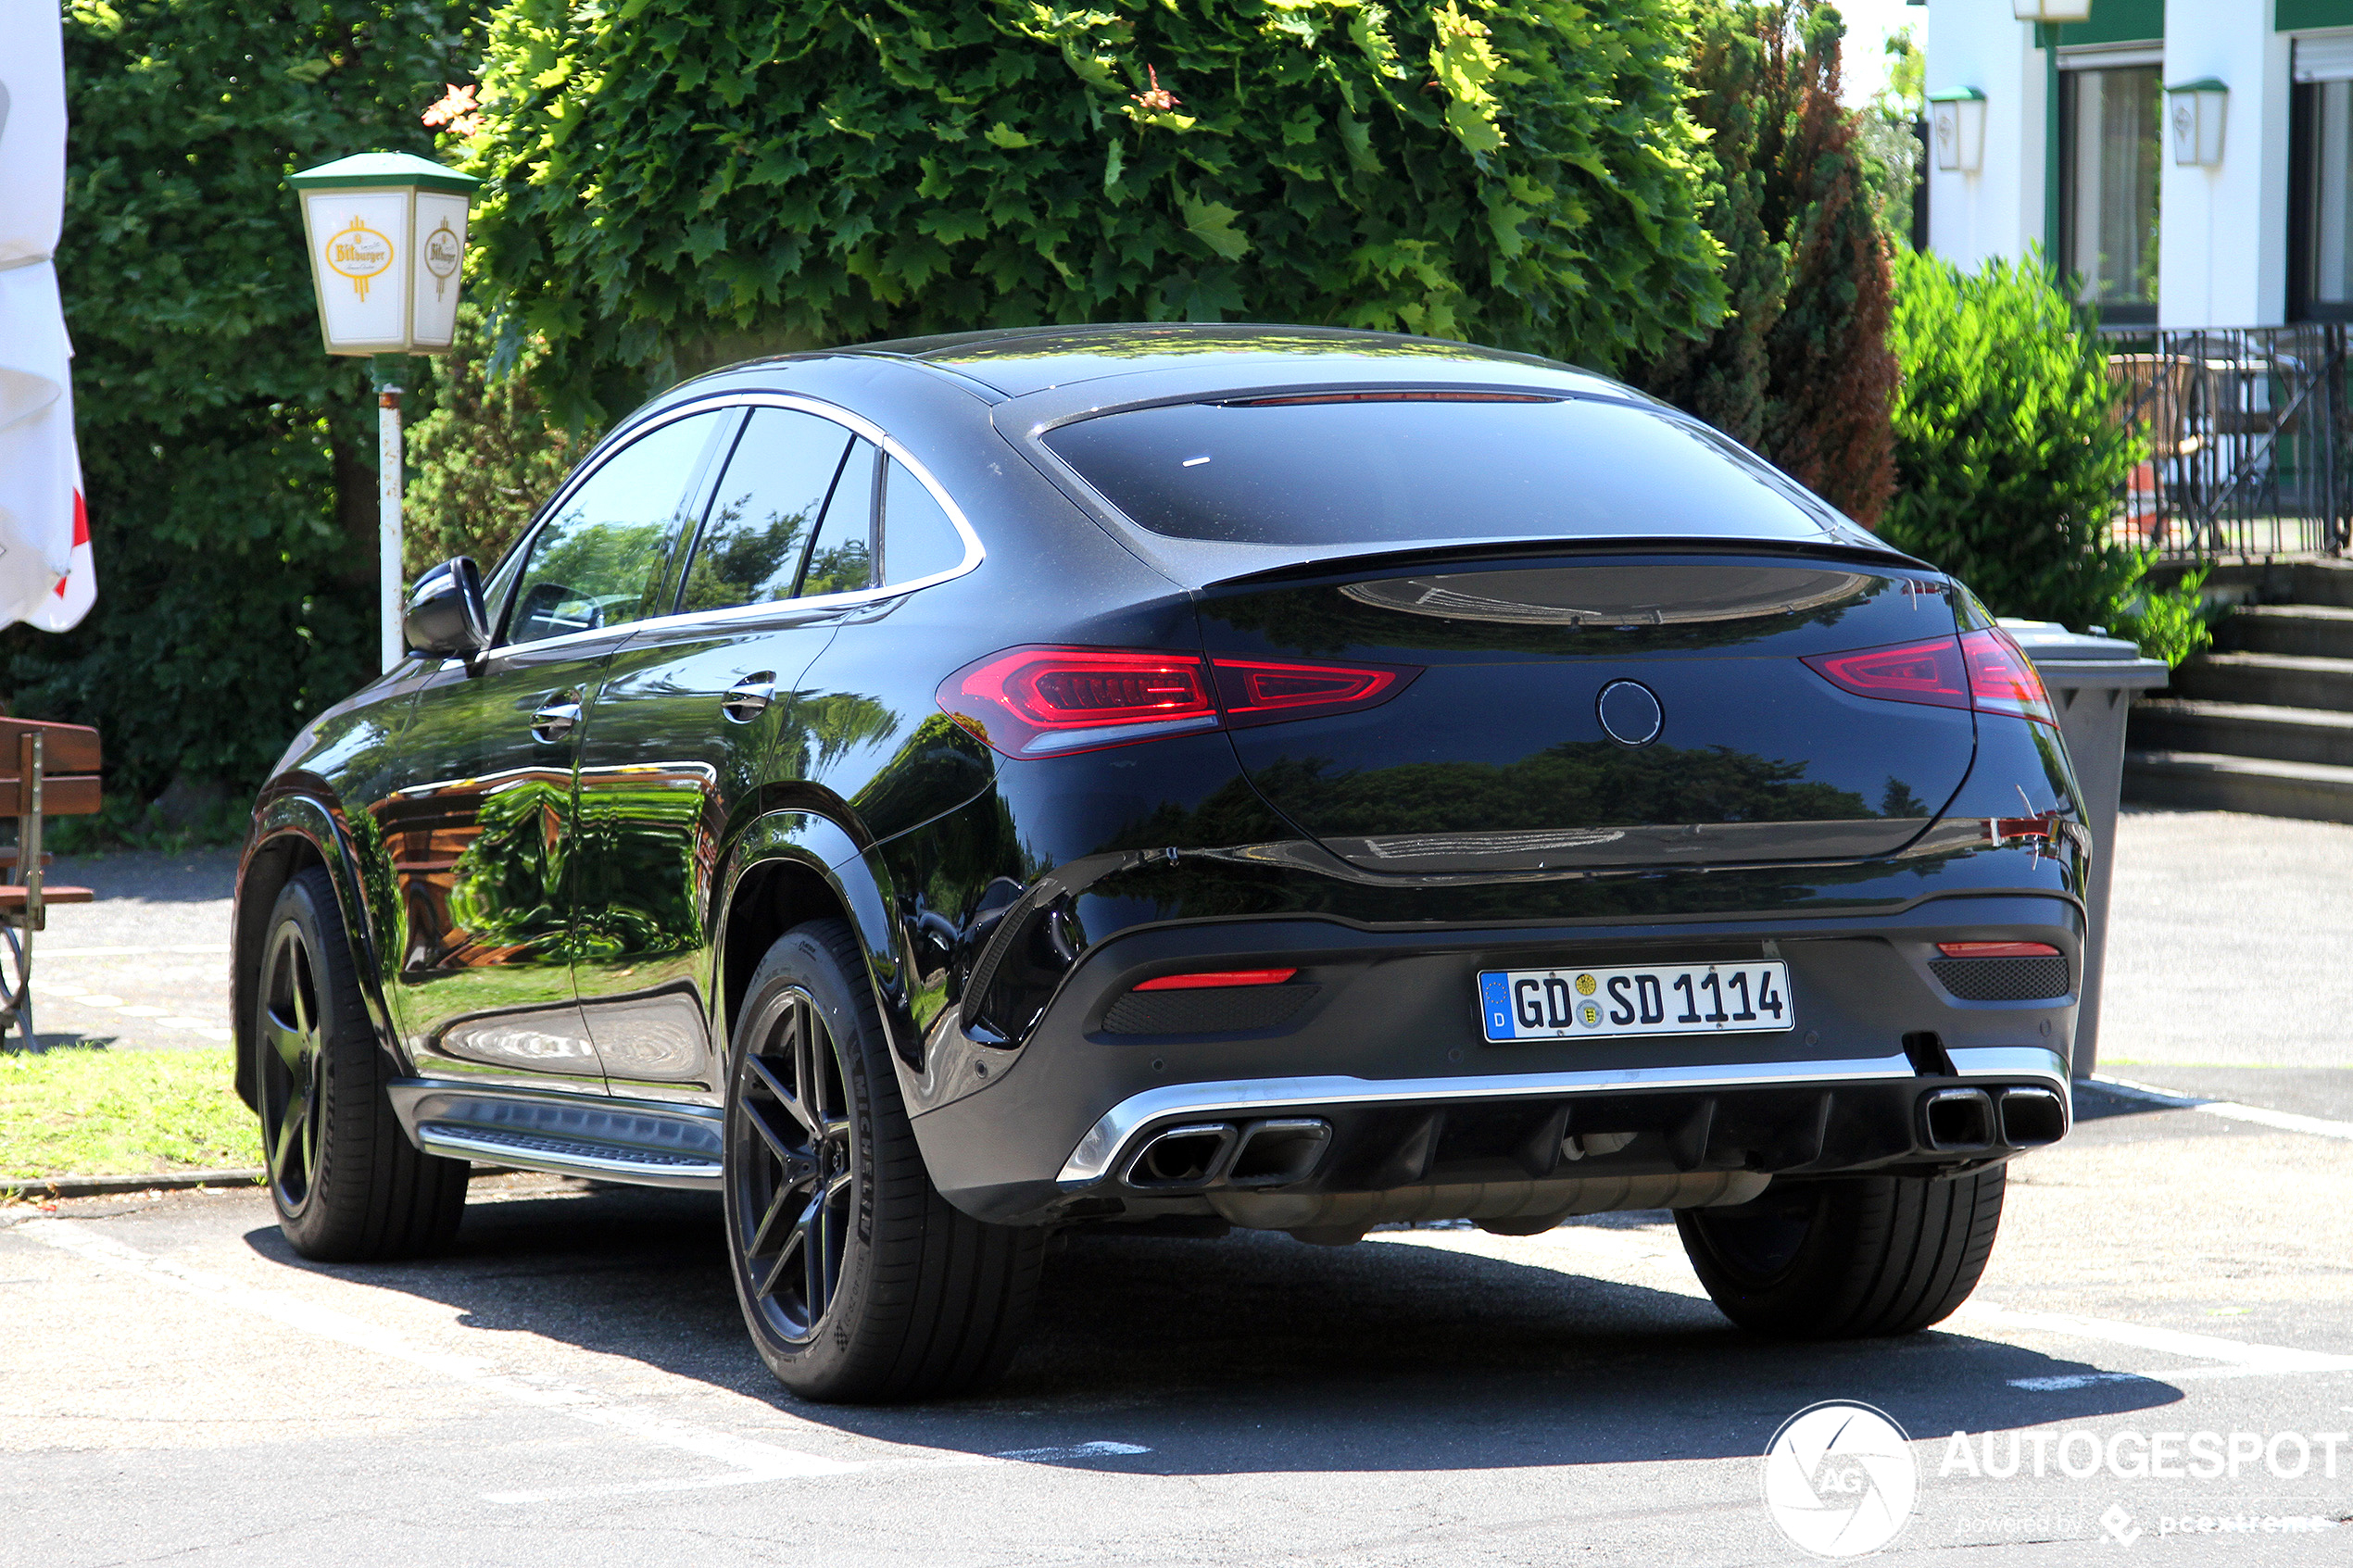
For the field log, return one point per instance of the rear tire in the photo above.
(348, 1186)
(1854, 1258)
(859, 1282)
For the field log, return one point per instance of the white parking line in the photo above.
(754, 1461)
(219, 947)
(2237, 1358)
(2285, 1121)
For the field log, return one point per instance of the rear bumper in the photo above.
(1413, 1114)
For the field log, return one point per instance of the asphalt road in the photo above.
(574, 1387)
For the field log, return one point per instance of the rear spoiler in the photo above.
(1525, 550)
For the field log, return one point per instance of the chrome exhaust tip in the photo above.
(1276, 1153)
(1958, 1121)
(2033, 1116)
(1181, 1158)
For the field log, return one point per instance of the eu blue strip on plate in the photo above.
(1496, 1000)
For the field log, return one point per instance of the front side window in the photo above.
(765, 510)
(2110, 124)
(603, 558)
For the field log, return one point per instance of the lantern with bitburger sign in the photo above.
(386, 233)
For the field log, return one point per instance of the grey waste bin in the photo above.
(2091, 680)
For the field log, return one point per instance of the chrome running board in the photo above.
(633, 1141)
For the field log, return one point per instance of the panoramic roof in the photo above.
(1022, 360)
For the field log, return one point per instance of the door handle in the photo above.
(749, 697)
(556, 720)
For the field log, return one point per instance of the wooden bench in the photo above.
(46, 769)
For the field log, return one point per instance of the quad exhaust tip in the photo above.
(1276, 1152)
(1972, 1120)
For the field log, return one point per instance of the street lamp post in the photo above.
(386, 233)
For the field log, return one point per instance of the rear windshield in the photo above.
(1395, 468)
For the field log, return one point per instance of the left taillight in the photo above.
(1053, 701)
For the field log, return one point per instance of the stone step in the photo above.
(2304, 630)
(2242, 729)
(2200, 781)
(2324, 583)
(2276, 679)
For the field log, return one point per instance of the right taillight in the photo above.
(1983, 669)
(1053, 701)
(2001, 679)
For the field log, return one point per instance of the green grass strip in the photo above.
(81, 1111)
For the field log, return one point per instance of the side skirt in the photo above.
(612, 1140)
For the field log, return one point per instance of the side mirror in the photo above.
(447, 617)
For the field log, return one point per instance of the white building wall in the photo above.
(1999, 209)
(2223, 232)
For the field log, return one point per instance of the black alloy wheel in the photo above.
(347, 1183)
(858, 1281)
(292, 1066)
(792, 1176)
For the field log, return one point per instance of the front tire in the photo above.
(1853, 1258)
(859, 1281)
(347, 1183)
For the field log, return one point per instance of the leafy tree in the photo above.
(1800, 369)
(484, 458)
(228, 461)
(1893, 151)
(2008, 447)
(675, 183)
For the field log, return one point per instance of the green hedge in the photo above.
(2008, 449)
(676, 183)
(229, 463)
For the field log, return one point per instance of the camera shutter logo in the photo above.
(1840, 1479)
(358, 253)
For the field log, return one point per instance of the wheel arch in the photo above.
(791, 867)
(291, 832)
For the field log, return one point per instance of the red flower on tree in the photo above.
(457, 110)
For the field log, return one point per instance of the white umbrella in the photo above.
(45, 572)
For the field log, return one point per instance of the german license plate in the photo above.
(1582, 1004)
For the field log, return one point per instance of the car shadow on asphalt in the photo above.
(1257, 1352)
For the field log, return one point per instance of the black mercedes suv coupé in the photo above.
(939, 792)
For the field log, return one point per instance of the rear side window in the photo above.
(841, 559)
(603, 558)
(765, 510)
(1378, 469)
(918, 540)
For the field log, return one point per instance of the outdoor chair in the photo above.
(46, 769)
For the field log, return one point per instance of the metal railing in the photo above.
(2250, 436)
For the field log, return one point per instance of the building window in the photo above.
(2110, 124)
(2320, 171)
